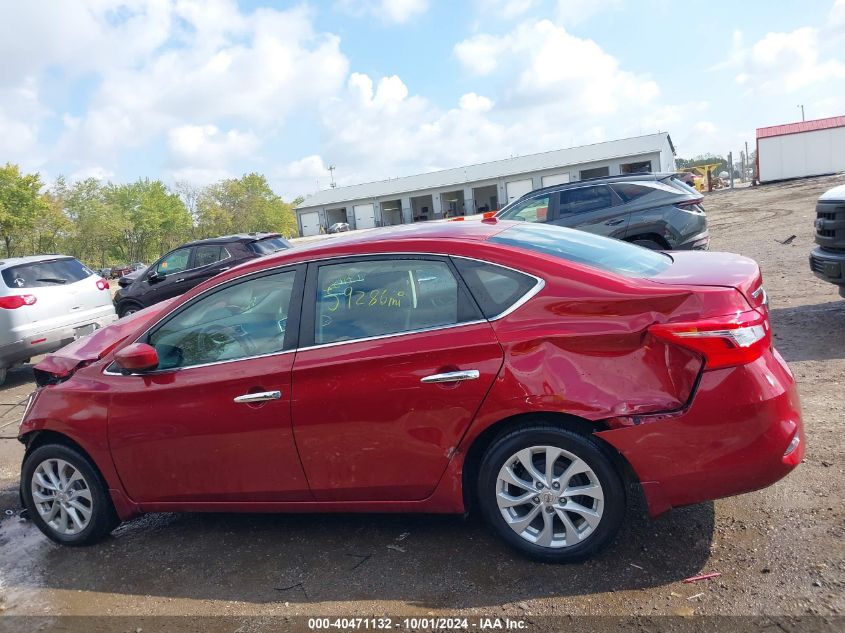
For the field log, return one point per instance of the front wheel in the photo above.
(552, 494)
(65, 496)
(129, 308)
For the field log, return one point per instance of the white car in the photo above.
(46, 302)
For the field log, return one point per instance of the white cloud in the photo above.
(207, 146)
(472, 102)
(539, 62)
(390, 11)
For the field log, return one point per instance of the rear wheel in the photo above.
(65, 496)
(552, 494)
(652, 244)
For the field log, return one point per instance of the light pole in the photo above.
(802, 112)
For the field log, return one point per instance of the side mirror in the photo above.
(137, 357)
(154, 277)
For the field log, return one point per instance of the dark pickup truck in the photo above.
(827, 260)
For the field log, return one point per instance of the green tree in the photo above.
(243, 204)
(20, 203)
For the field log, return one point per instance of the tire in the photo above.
(69, 475)
(3, 373)
(128, 308)
(650, 244)
(593, 519)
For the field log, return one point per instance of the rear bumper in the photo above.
(829, 266)
(37, 343)
(742, 432)
(699, 242)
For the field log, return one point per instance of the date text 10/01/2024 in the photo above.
(417, 623)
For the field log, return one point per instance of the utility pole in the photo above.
(331, 169)
(802, 112)
(731, 167)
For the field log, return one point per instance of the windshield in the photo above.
(599, 252)
(54, 272)
(269, 245)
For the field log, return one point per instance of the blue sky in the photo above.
(192, 91)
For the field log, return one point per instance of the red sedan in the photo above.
(525, 370)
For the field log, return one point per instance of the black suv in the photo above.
(827, 260)
(189, 265)
(657, 211)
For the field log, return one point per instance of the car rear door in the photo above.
(395, 360)
(208, 260)
(212, 423)
(592, 208)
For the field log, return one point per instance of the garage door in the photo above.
(310, 223)
(555, 179)
(518, 188)
(365, 216)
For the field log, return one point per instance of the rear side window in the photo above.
(585, 199)
(269, 245)
(630, 191)
(209, 254)
(358, 300)
(55, 272)
(496, 289)
(596, 251)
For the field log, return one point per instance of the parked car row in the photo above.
(523, 369)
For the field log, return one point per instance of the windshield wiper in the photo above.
(52, 280)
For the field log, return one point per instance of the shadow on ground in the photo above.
(810, 332)
(440, 562)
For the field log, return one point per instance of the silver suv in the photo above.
(46, 302)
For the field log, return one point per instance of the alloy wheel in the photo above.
(62, 496)
(549, 496)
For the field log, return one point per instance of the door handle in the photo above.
(452, 376)
(261, 396)
(179, 280)
(615, 222)
(223, 268)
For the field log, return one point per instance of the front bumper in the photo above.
(742, 432)
(37, 343)
(829, 266)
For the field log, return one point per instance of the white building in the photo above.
(478, 188)
(796, 150)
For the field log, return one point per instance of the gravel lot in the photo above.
(780, 551)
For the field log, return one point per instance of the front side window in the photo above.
(363, 299)
(585, 199)
(175, 262)
(239, 321)
(531, 210)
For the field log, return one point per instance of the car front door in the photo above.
(212, 422)
(167, 277)
(395, 360)
(593, 208)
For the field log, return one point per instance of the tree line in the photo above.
(107, 223)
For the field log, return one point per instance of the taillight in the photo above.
(12, 302)
(734, 340)
(102, 284)
(692, 205)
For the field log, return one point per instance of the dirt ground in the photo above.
(780, 551)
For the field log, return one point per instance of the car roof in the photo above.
(229, 239)
(644, 177)
(30, 259)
